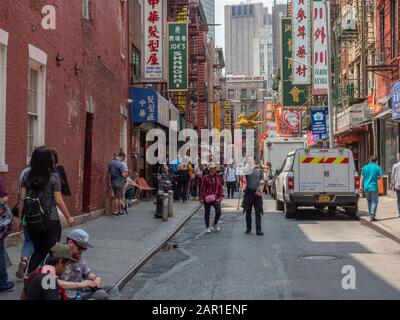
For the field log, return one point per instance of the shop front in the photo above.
(353, 131)
(149, 110)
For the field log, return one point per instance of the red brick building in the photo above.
(66, 88)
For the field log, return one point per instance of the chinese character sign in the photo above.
(396, 100)
(287, 121)
(227, 115)
(144, 106)
(153, 16)
(301, 42)
(320, 53)
(292, 95)
(177, 56)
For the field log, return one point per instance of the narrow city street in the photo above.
(295, 259)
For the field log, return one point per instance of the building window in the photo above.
(393, 27)
(122, 29)
(239, 10)
(135, 63)
(3, 101)
(382, 30)
(243, 92)
(86, 6)
(36, 99)
(246, 10)
(251, 10)
(231, 94)
(233, 11)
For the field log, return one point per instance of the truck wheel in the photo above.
(332, 210)
(279, 205)
(290, 210)
(352, 212)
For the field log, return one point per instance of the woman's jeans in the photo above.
(3, 268)
(27, 248)
(207, 209)
(372, 199)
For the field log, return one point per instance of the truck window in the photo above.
(288, 163)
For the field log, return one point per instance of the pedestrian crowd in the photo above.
(50, 270)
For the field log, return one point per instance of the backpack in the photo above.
(5, 220)
(35, 214)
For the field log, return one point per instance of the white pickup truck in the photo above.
(318, 178)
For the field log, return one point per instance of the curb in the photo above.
(387, 232)
(121, 283)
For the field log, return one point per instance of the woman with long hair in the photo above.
(42, 177)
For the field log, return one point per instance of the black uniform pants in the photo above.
(207, 209)
(231, 186)
(250, 201)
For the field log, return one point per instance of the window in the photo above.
(122, 29)
(393, 27)
(243, 92)
(36, 99)
(382, 30)
(135, 63)
(231, 94)
(3, 106)
(32, 110)
(246, 10)
(233, 11)
(86, 6)
(251, 10)
(239, 10)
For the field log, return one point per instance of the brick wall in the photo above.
(95, 48)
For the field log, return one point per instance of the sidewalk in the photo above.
(121, 244)
(388, 218)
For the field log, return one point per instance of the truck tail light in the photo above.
(290, 183)
(357, 182)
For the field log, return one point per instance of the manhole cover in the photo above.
(319, 257)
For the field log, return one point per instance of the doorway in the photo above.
(87, 166)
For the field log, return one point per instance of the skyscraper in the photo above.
(209, 10)
(278, 10)
(242, 23)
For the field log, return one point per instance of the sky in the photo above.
(219, 15)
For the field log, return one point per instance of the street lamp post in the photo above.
(330, 106)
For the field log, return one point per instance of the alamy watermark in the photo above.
(208, 145)
(349, 280)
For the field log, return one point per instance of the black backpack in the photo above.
(35, 213)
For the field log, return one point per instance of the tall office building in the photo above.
(278, 10)
(209, 11)
(263, 56)
(242, 23)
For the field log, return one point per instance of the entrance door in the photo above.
(87, 167)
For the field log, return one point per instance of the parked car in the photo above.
(318, 178)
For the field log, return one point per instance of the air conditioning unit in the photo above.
(381, 58)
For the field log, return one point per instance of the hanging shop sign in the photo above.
(153, 16)
(396, 101)
(177, 57)
(292, 95)
(287, 121)
(227, 115)
(319, 123)
(320, 48)
(301, 42)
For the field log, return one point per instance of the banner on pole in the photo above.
(177, 57)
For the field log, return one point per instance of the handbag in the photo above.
(210, 198)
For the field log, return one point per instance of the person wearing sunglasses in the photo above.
(79, 277)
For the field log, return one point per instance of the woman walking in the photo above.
(41, 181)
(211, 195)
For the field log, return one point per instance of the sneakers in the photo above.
(216, 228)
(23, 264)
(372, 219)
(260, 233)
(248, 231)
(208, 230)
(9, 286)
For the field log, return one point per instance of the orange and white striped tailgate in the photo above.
(323, 160)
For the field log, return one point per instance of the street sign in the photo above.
(177, 56)
(319, 123)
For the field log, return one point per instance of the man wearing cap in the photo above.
(79, 273)
(43, 284)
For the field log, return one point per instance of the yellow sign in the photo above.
(227, 115)
(181, 101)
(217, 124)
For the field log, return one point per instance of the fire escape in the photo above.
(197, 63)
(383, 60)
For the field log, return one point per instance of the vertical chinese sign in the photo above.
(144, 106)
(292, 95)
(320, 45)
(177, 57)
(227, 116)
(153, 15)
(301, 42)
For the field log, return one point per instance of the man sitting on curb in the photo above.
(43, 284)
(79, 276)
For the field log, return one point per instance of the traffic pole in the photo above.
(330, 106)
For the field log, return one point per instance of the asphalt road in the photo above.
(233, 265)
